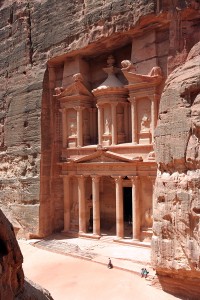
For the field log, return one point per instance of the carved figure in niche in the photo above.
(107, 126)
(85, 126)
(148, 217)
(59, 90)
(110, 60)
(145, 123)
(128, 66)
(73, 129)
(75, 209)
(155, 71)
(193, 147)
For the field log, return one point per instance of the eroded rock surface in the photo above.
(12, 283)
(175, 244)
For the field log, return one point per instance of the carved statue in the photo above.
(73, 129)
(127, 65)
(59, 90)
(110, 61)
(145, 123)
(107, 126)
(148, 217)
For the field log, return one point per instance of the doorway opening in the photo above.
(127, 196)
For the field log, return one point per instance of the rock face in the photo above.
(12, 283)
(37, 41)
(175, 244)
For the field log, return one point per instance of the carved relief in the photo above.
(148, 218)
(193, 148)
(73, 129)
(107, 126)
(145, 123)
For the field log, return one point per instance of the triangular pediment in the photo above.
(104, 156)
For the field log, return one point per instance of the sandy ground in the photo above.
(69, 278)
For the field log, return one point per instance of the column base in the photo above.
(70, 233)
(89, 235)
(118, 239)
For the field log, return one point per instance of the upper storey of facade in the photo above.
(107, 104)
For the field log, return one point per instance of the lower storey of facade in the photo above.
(96, 205)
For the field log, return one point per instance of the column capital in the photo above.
(152, 178)
(79, 108)
(81, 177)
(117, 178)
(95, 178)
(134, 179)
(114, 104)
(99, 105)
(132, 100)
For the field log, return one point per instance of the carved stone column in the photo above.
(64, 127)
(96, 205)
(133, 120)
(114, 123)
(152, 179)
(100, 124)
(91, 110)
(66, 183)
(79, 110)
(135, 208)
(153, 115)
(119, 208)
(126, 120)
(82, 204)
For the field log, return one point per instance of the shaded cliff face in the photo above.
(12, 283)
(11, 273)
(176, 240)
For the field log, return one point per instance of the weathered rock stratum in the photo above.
(175, 244)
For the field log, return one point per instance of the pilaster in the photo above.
(135, 207)
(82, 204)
(96, 205)
(66, 183)
(134, 120)
(119, 207)
(114, 123)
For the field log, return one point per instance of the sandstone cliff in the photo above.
(35, 39)
(175, 244)
(12, 283)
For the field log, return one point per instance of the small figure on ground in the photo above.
(110, 265)
(145, 273)
(142, 272)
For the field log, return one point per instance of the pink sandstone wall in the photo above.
(34, 33)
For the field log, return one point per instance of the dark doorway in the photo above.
(127, 194)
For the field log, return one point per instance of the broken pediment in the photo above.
(77, 88)
(105, 156)
(153, 78)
